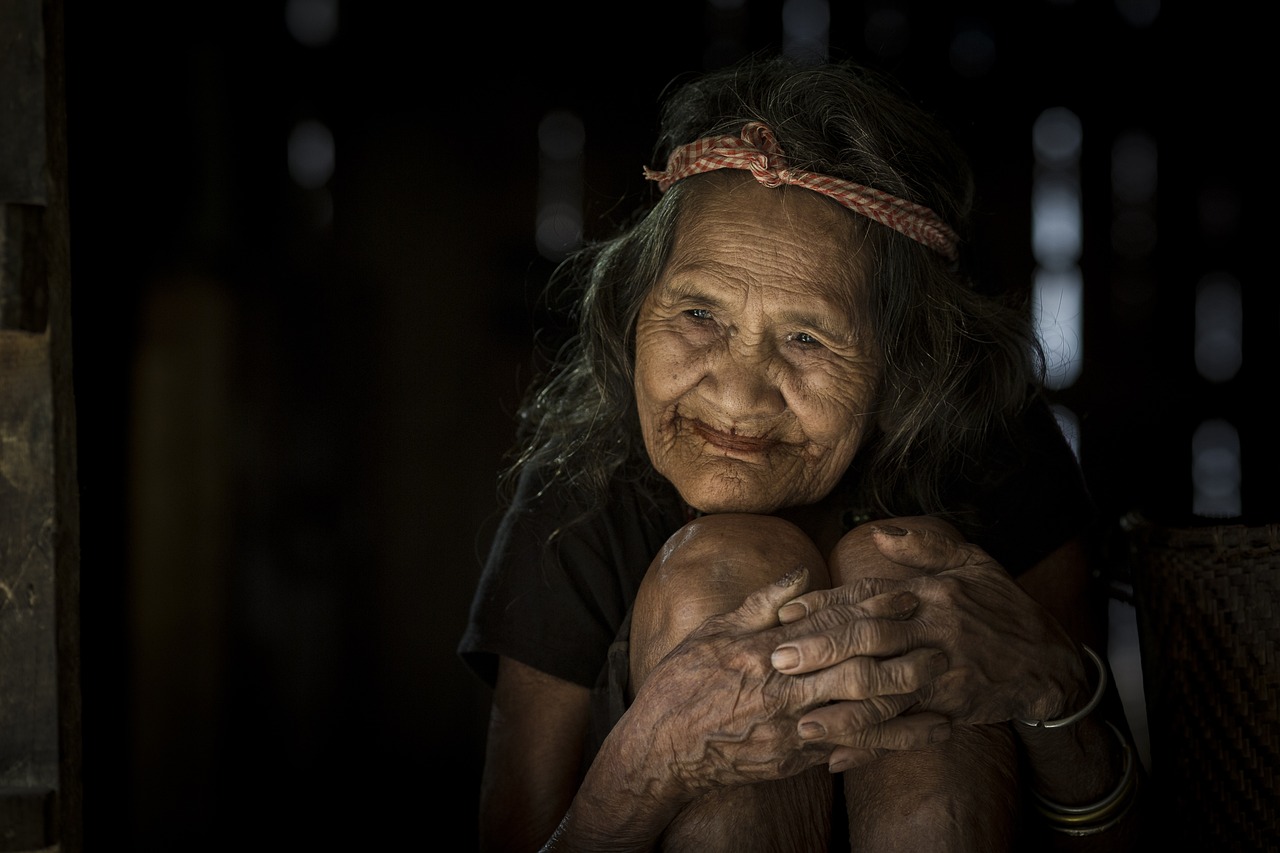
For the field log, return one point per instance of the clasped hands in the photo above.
(937, 634)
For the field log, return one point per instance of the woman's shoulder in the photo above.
(1031, 495)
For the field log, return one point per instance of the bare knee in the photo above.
(708, 567)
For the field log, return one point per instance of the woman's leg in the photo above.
(707, 568)
(959, 795)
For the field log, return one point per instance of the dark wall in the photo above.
(290, 426)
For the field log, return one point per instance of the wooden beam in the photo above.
(40, 703)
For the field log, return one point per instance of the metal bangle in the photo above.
(1092, 829)
(1100, 815)
(1097, 809)
(1088, 708)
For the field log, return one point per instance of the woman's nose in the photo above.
(742, 379)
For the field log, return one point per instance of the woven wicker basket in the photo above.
(1207, 600)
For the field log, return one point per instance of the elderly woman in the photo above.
(796, 555)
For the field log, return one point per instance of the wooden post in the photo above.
(40, 741)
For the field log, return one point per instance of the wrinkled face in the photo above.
(753, 377)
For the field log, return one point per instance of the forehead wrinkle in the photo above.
(698, 255)
(703, 279)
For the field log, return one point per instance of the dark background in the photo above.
(290, 424)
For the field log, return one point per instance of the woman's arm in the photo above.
(537, 728)
(1084, 762)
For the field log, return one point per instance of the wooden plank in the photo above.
(28, 645)
(23, 92)
(40, 700)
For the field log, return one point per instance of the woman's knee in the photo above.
(708, 567)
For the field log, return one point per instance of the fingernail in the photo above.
(791, 611)
(904, 604)
(839, 765)
(785, 658)
(939, 733)
(812, 731)
(790, 578)
(891, 530)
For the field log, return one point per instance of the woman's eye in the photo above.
(698, 313)
(805, 339)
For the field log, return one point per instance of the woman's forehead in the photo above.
(738, 231)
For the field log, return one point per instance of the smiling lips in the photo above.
(733, 443)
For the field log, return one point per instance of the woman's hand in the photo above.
(1009, 658)
(716, 712)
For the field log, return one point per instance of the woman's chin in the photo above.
(731, 487)
(720, 501)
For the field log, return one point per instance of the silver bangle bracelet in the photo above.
(1088, 708)
(1097, 816)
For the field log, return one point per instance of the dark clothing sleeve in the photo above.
(556, 602)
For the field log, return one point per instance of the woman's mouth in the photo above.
(732, 442)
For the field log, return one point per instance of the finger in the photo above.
(844, 758)
(948, 695)
(841, 722)
(759, 610)
(842, 725)
(862, 678)
(925, 548)
(856, 593)
(909, 731)
(826, 609)
(808, 650)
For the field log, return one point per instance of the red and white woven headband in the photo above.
(756, 150)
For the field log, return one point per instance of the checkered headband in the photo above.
(757, 151)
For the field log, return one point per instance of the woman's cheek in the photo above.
(667, 367)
